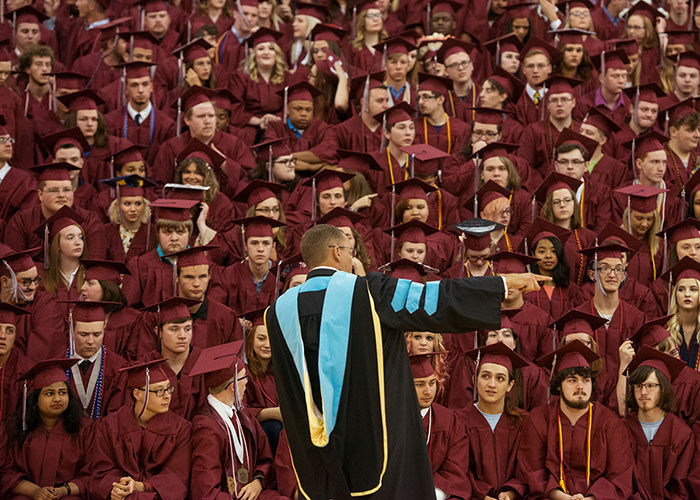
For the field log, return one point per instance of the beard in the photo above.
(576, 405)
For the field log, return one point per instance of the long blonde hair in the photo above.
(52, 277)
(651, 238)
(359, 42)
(439, 362)
(278, 71)
(113, 211)
(674, 324)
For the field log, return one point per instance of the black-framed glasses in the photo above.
(162, 392)
(648, 386)
(27, 282)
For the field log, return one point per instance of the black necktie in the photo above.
(137, 118)
(85, 365)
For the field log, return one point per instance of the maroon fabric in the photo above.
(531, 325)
(114, 393)
(12, 389)
(313, 136)
(350, 135)
(150, 281)
(42, 334)
(538, 143)
(139, 244)
(17, 191)
(219, 327)
(459, 135)
(562, 301)
(260, 393)
(235, 288)
(163, 130)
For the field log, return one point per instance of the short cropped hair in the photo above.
(315, 243)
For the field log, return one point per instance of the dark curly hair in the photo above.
(583, 371)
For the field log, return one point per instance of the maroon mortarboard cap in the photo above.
(680, 37)
(172, 309)
(184, 191)
(263, 35)
(411, 232)
(129, 185)
(542, 228)
(257, 191)
(601, 119)
(647, 142)
(421, 364)
(570, 36)
(315, 10)
(255, 316)
(69, 80)
(692, 186)
(218, 363)
(47, 372)
(513, 86)
(197, 149)
(572, 4)
(511, 262)
(9, 314)
(136, 69)
(535, 43)
(477, 232)
(328, 33)
(449, 6)
(676, 111)
(412, 35)
(173, 209)
(193, 256)
(104, 270)
(559, 84)
(453, 46)
(279, 145)
(400, 112)
(27, 14)
(358, 161)
(5, 49)
(498, 354)
(477, 242)
(193, 50)
(689, 59)
(193, 96)
(258, 226)
(108, 30)
(628, 45)
(59, 171)
(140, 373)
(434, 83)
(151, 6)
(293, 266)
(412, 189)
(649, 92)
(426, 158)
(488, 116)
(395, 45)
(507, 323)
(87, 311)
(407, 269)
(614, 234)
(553, 182)
(142, 39)
(577, 322)
(642, 199)
(497, 149)
(68, 137)
(686, 229)
(328, 179)
(20, 261)
(568, 136)
(128, 153)
(63, 218)
(248, 3)
(301, 91)
(647, 10)
(652, 332)
(225, 99)
(487, 193)
(82, 100)
(649, 356)
(607, 251)
(574, 354)
(687, 267)
(363, 5)
(519, 10)
(341, 217)
(505, 43)
(358, 83)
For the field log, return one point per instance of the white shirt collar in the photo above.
(144, 112)
(4, 170)
(220, 407)
(424, 412)
(91, 359)
(531, 92)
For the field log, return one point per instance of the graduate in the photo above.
(230, 454)
(13, 362)
(573, 446)
(493, 425)
(49, 442)
(445, 435)
(662, 444)
(17, 186)
(394, 457)
(142, 448)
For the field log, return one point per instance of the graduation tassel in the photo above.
(24, 407)
(246, 56)
(413, 165)
(664, 267)
(691, 14)
(597, 274)
(498, 53)
(428, 14)
(475, 394)
(131, 48)
(476, 187)
(173, 262)
(544, 93)
(384, 61)
(551, 374)
(14, 285)
(239, 7)
(142, 19)
(178, 125)
(145, 400)
(189, 31)
(313, 201)
(46, 247)
(670, 288)
(666, 124)
(533, 204)
(383, 144)
(554, 338)
(269, 163)
(353, 28)
(365, 94)
(285, 100)
(236, 393)
(71, 340)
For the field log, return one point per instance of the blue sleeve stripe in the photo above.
(432, 292)
(414, 293)
(400, 294)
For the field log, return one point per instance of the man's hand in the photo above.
(45, 493)
(626, 352)
(506, 495)
(250, 491)
(525, 282)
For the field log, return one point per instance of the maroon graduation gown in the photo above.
(19, 127)
(139, 244)
(492, 454)
(211, 456)
(158, 454)
(459, 106)
(350, 135)
(596, 199)
(221, 214)
(642, 268)
(604, 27)
(312, 136)
(83, 196)
(41, 334)
(662, 464)
(526, 111)
(694, 473)
(631, 291)
(17, 191)
(190, 392)
(235, 287)
(12, 390)
(93, 65)
(113, 386)
(578, 240)
(458, 134)
(120, 124)
(118, 333)
(677, 174)
(230, 54)
(258, 98)
(537, 144)
(562, 301)
(50, 457)
(363, 60)
(611, 461)
(150, 281)
(532, 327)
(260, 393)
(214, 324)
(449, 451)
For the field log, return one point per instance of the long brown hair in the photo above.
(255, 364)
(52, 277)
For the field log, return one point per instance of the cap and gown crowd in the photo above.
(160, 162)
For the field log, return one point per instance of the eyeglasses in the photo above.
(5, 140)
(289, 161)
(562, 201)
(267, 210)
(605, 269)
(484, 133)
(374, 15)
(27, 282)
(477, 258)
(64, 190)
(427, 96)
(635, 27)
(566, 163)
(351, 250)
(456, 65)
(647, 386)
(560, 100)
(532, 66)
(579, 13)
(162, 392)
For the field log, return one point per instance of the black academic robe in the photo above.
(353, 459)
